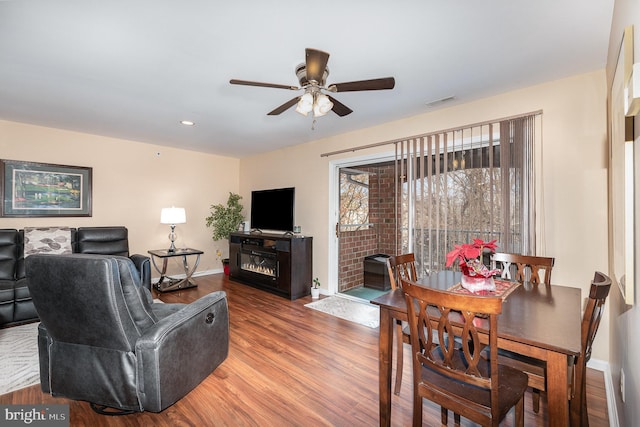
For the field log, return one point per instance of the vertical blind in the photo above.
(460, 184)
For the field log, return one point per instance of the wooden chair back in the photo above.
(401, 266)
(598, 292)
(523, 267)
(449, 367)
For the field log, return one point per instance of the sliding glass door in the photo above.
(462, 184)
(437, 190)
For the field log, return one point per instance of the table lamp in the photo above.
(172, 216)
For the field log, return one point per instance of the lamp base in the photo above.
(172, 238)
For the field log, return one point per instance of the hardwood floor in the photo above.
(289, 366)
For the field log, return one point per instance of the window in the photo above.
(354, 199)
(461, 184)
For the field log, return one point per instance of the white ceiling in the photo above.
(133, 69)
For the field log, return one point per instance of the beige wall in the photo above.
(573, 164)
(131, 183)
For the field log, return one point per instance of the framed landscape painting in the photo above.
(32, 189)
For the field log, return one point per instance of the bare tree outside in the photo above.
(354, 200)
(470, 188)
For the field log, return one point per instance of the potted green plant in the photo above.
(224, 220)
(315, 289)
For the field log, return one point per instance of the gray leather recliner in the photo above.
(103, 340)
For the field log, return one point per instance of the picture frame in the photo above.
(621, 174)
(31, 189)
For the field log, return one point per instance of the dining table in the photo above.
(537, 320)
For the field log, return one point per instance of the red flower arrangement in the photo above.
(468, 256)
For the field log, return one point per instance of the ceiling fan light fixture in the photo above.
(317, 112)
(305, 105)
(301, 110)
(322, 105)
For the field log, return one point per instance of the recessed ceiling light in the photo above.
(187, 122)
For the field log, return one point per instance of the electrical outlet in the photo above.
(622, 384)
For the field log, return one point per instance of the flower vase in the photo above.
(478, 283)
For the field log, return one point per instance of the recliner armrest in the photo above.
(143, 265)
(187, 345)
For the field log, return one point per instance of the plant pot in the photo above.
(225, 266)
(478, 283)
(315, 293)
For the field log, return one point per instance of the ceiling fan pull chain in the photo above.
(313, 124)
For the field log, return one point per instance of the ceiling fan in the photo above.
(312, 76)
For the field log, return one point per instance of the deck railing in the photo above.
(431, 246)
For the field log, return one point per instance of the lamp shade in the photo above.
(173, 216)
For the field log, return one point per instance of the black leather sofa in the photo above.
(16, 306)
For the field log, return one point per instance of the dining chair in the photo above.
(525, 268)
(598, 293)
(448, 366)
(401, 266)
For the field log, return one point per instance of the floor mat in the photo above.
(354, 311)
(19, 365)
(364, 293)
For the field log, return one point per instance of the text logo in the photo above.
(34, 415)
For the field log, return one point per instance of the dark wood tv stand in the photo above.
(277, 263)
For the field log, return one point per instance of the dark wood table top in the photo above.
(535, 315)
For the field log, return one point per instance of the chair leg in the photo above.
(575, 411)
(579, 416)
(584, 418)
(535, 394)
(519, 413)
(399, 358)
(456, 419)
(417, 409)
(444, 415)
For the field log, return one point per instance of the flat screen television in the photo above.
(273, 209)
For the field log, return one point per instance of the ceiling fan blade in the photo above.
(316, 64)
(250, 83)
(374, 84)
(339, 108)
(284, 107)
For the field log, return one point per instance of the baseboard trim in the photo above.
(196, 274)
(208, 272)
(605, 368)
